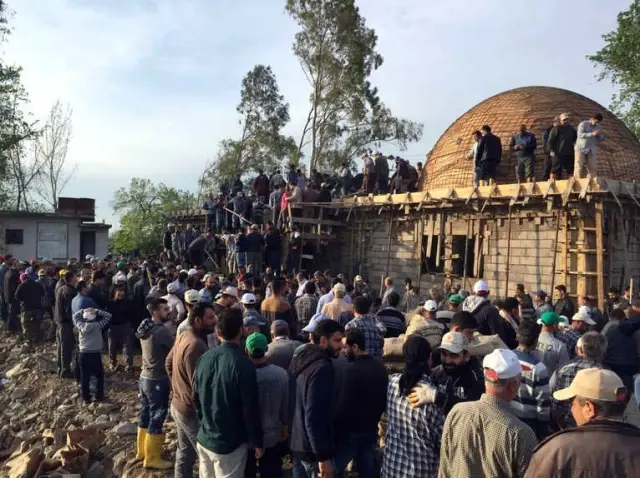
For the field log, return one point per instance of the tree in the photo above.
(337, 53)
(263, 113)
(145, 208)
(619, 61)
(51, 147)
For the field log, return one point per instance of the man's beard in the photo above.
(452, 369)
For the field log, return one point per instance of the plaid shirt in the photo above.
(569, 336)
(561, 411)
(485, 438)
(409, 302)
(373, 331)
(412, 443)
(305, 308)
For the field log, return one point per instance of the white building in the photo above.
(60, 236)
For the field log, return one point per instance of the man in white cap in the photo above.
(562, 139)
(581, 322)
(177, 312)
(591, 349)
(488, 317)
(602, 444)
(458, 378)
(338, 305)
(485, 438)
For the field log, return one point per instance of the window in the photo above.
(458, 255)
(428, 262)
(14, 236)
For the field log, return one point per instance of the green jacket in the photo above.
(227, 400)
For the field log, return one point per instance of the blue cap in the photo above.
(315, 320)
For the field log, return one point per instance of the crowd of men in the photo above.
(567, 150)
(257, 367)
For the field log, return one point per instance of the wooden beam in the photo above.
(600, 255)
(568, 188)
(506, 284)
(314, 221)
(632, 195)
(581, 259)
(555, 254)
(610, 246)
(440, 240)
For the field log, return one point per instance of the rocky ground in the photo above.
(46, 431)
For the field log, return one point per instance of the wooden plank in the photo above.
(477, 248)
(529, 192)
(568, 188)
(555, 254)
(419, 248)
(610, 247)
(582, 259)
(631, 194)
(600, 255)
(432, 228)
(506, 285)
(440, 240)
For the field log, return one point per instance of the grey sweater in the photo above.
(156, 342)
(90, 333)
(273, 396)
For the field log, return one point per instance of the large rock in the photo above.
(125, 429)
(25, 464)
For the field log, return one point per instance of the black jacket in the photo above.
(489, 320)
(166, 240)
(466, 385)
(622, 352)
(62, 309)
(312, 437)
(31, 296)
(122, 312)
(198, 245)
(562, 139)
(11, 282)
(255, 241)
(99, 295)
(3, 272)
(365, 377)
(489, 149)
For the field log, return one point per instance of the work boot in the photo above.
(140, 443)
(153, 453)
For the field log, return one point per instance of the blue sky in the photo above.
(154, 83)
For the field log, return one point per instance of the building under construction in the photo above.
(580, 233)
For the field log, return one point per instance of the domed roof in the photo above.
(534, 106)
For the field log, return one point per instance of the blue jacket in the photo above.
(81, 302)
(312, 427)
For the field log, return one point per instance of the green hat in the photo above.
(121, 265)
(455, 299)
(256, 345)
(549, 318)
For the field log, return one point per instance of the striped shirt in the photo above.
(533, 402)
(485, 439)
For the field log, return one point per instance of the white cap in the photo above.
(584, 309)
(430, 306)
(120, 277)
(191, 297)
(173, 288)
(582, 317)
(192, 272)
(357, 278)
(232, 291)
(480, 286)
(501, 364)
(339, 288)
(249, 299)
(296, 234)
(454, 342)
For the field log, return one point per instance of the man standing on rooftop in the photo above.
(590, 136)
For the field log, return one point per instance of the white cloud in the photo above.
(154, 83)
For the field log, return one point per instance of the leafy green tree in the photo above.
(619, 61)
(145, 209)
(337, 53)
(263, 113)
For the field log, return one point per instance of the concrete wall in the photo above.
(30, 225)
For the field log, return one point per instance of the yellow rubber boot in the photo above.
(142, 436)
(153, 453)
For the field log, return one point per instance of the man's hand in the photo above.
(596, 132)
(552, 154)
(421, 395)
(259, 453)
(326, 469)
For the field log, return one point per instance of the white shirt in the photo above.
(325, 299)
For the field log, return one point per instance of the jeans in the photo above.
(220, 220)
(637, 390)
(65, 343)
(121, 338)
(241, 259)
(254, 261)
(231, 465)
(90, 364)
(210, 223)
(186, 453)
(270, 465)
(154, 398)
(360, 447)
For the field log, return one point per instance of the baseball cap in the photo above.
(549, 318)
(357, 278)
(192, 272)
(23, 277)
(42, 272)
(278, 323)
(232, 291)
(339, 288)
(191, 297)
(455, 299)
(313, 323)
(256, 344)
(480, 286)
(501, 364)
(540, 293)
(454, 342)
(254, 226)
(121, 265)
(582, 317)
(120, 277)
(430, 306)
(595, 384)
(173, 288)
(564, 116)
(248, 298)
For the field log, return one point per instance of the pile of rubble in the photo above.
(46, 430)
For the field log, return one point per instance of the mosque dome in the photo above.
(535, 106)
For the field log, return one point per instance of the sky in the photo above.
(154, 83)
